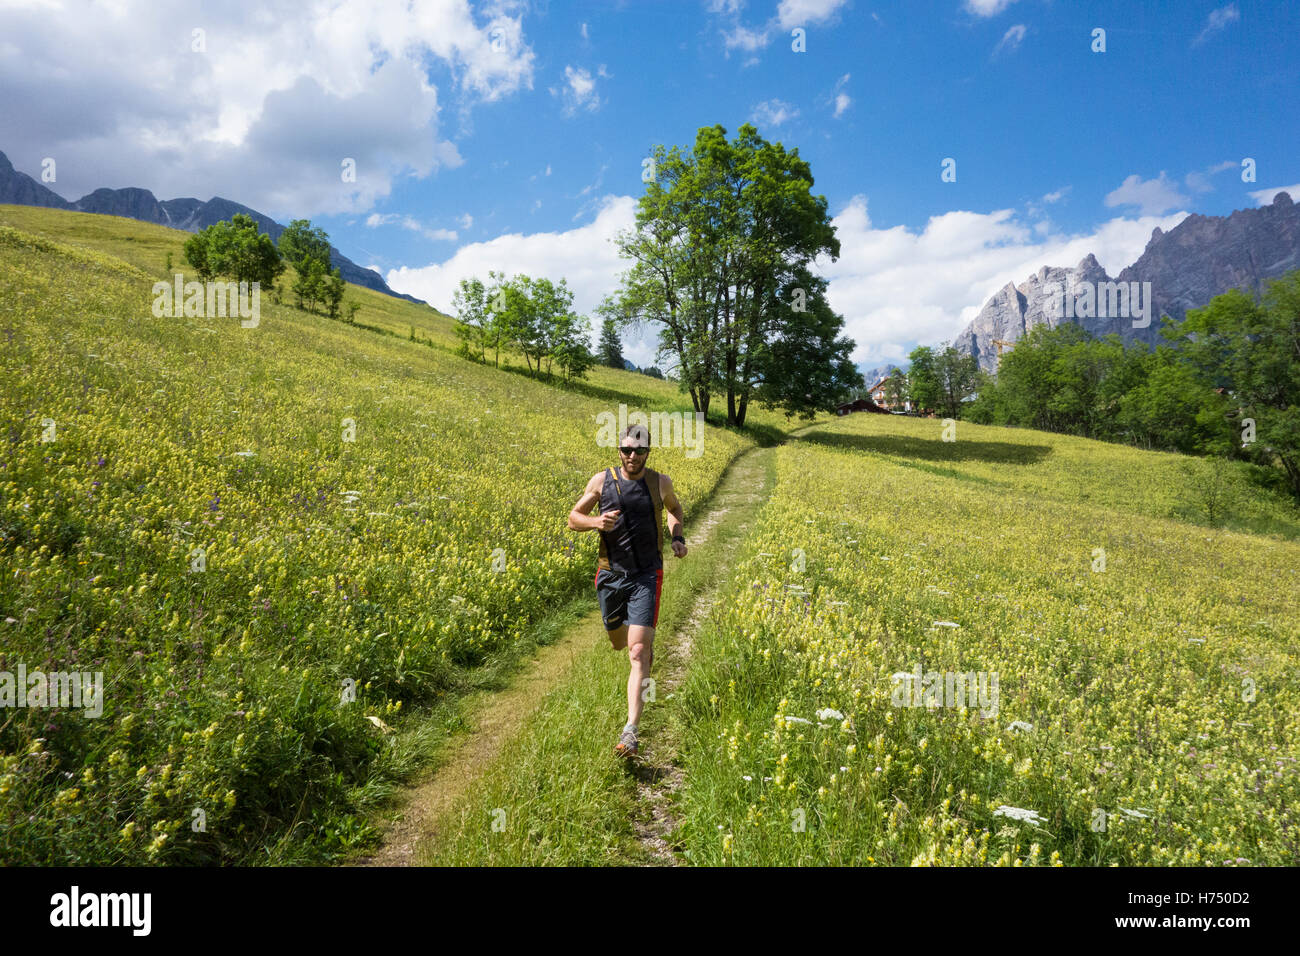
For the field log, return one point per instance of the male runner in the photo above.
(630, 570)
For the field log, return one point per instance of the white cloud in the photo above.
(1216, 21)
(1058, 195)
(1011, 39)
(789, 14)
(585, 256)
(987, 8)
(266, 110)
(375, 220)
(896, 288)
(1200, 180)
(801, 13)
(773, 113)
(466, 221)
(842, 99)
(746, 39)
(579, 91)
(583, 31)
(1264, 197)
(1151, 196)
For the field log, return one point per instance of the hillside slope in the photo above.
(240, 527)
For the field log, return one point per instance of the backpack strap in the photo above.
(617, 487)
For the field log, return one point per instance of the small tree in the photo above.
(611, 350)
(896, 388)
(569, 346)
(300, 242)
(332, 291)
(235, 248)
(473, 318)
(196, 254)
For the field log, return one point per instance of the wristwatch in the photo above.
(678, 537)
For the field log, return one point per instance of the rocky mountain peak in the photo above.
(1201, 257)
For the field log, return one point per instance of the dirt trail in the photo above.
(498, 715)
(658, 772)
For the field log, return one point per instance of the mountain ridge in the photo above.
(1201, 257)
(188, 214)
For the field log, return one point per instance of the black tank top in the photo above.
(633, 545)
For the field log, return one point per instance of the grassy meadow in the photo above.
(241, 527)
(1147, 709)
(291, 550)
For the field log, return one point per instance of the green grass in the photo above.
(373, 560)
(1131, 678)
(1130, 684)
(558, 796)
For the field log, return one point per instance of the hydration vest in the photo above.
(636, 542)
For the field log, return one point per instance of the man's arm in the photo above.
(676, 518)
(579, 519)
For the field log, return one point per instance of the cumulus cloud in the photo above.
(1264, 197)
(895, 287)
(789, 14)
(1057, 195)
(238, 102)
(1151, 196)
(586, 257)
(800, 13)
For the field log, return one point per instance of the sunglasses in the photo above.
(634, 451)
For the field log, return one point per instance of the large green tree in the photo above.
(957, 375)
(804, 367)
(924, 389)
(721, 248)
(1252, 349)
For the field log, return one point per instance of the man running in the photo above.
(630, 570)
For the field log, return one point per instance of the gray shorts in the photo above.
(629, 599)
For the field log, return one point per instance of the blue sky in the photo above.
(510, 135)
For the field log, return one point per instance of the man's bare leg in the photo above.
(640, 651)
(618, 637)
